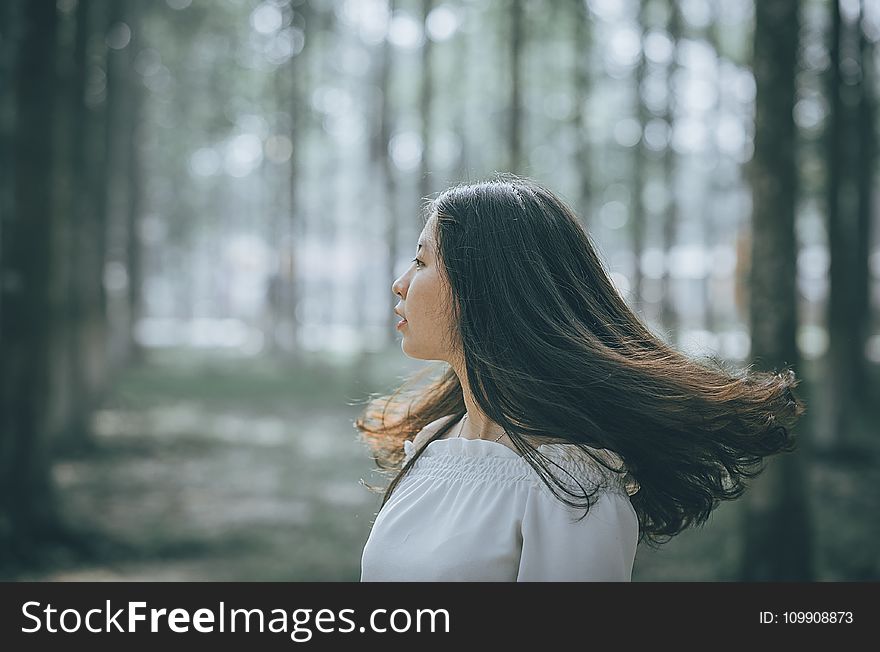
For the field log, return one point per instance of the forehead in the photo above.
(425, 240)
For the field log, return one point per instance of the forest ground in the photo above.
(211, 467)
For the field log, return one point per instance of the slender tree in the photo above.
(381, 155)
(425, 101)
(777, 536)
(866, 174)
(60, 295)
(710, 226)
(514, 126)
(290, 94)
(668, 315)
(583, 40)
(462, 53)
(119, 125)
(70, 418)
(639, 164)
(93, 335)
(840, 243)
(134, 10)
(87, 327)
(27, 505)
(849, 142)
(9, 22)
(300, 123)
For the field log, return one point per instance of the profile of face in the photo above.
(425, 294)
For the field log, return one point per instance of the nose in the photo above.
(400, 284)
(397, 287)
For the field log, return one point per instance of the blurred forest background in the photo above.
(203, 205)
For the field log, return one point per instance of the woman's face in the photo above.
(424, 302)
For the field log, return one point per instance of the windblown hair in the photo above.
(553, 353)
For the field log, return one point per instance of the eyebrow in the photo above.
(426, 246)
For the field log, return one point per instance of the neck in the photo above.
(477, 425)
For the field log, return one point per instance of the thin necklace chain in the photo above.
(462, 428)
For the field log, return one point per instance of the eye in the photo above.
(418, 262)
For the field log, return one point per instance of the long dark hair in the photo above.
(553, 353)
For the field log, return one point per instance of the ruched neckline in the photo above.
(484, 459)
(465, 448)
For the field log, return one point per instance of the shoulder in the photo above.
(582, 464)
(430, 430)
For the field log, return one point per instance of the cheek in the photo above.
(436, 310)
(427, 293)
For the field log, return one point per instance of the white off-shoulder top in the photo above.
(475, 510)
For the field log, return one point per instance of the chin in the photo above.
(409, 352)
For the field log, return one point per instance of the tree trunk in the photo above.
(134, 244)
(668, 313)
(387, 169)
(638, 184)
(777, 537)
(27, 506)
(9, 25)
(299, 127)
(514, 133)
(581, 83)
(462, 57)
(91, 363)
(841, 234)
(59, 400)
(849, 181)
(65, 380)
(425, 98)
(715, 189)
(119, 125)
(10, 39)
(866, 137)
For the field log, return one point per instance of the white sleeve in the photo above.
(599, 548)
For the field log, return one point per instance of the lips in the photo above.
(402, 321)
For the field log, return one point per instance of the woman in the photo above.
(562, 432)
